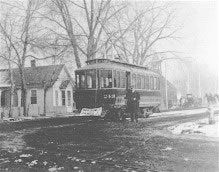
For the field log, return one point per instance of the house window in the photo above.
(3, 98)
(57, 97)
(69, 97)
(15, 99)
(63, 98)
(33, 98)
(6, 100)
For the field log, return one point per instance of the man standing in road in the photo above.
(133, 104)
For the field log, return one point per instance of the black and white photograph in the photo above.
(109, 86)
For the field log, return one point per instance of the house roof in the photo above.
(34, 76)
(64, 84)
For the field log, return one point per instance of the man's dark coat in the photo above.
(133, 101)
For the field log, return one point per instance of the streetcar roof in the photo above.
(103, 66)
(116, 65)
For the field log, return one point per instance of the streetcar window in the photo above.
(151, 83)
(138, 81)
(155, 83)
(142, 82)
(80, 79)
(91, 78)
(118, 78)
(123, 79)
(147, 82)
(106, 79)
(77, 80)
(158, 83)
(114, 78)
(134, 80)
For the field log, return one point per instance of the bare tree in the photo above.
(6, 55)
(20, 27)
(86, 28)
(153, 25)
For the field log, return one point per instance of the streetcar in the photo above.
(105, 83)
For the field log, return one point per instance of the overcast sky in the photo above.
(199, 37)
(200, 30)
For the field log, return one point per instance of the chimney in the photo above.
(33, 63)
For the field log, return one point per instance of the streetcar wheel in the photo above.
(121, 116)
(146, 115)
(147, 112)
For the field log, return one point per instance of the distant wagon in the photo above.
(105, 83)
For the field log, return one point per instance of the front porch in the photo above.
(5, 103)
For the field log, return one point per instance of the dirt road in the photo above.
(85, 144)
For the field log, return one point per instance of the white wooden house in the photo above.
(53, 81)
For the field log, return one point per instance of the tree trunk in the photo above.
(23, 92)
(74, 46)
(11, 91)
(23, 99)
(90, 48)
(10, 114)
(69, 28)
(44, 103)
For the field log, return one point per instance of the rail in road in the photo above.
(182, 112)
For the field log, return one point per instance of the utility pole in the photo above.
(105, 53)
(199, 83)
(188, 82)
(166, 91)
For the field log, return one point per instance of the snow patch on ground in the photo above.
(13, 142)
(200, 127)
(167, 149)
(55, 169)
(25, 155)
